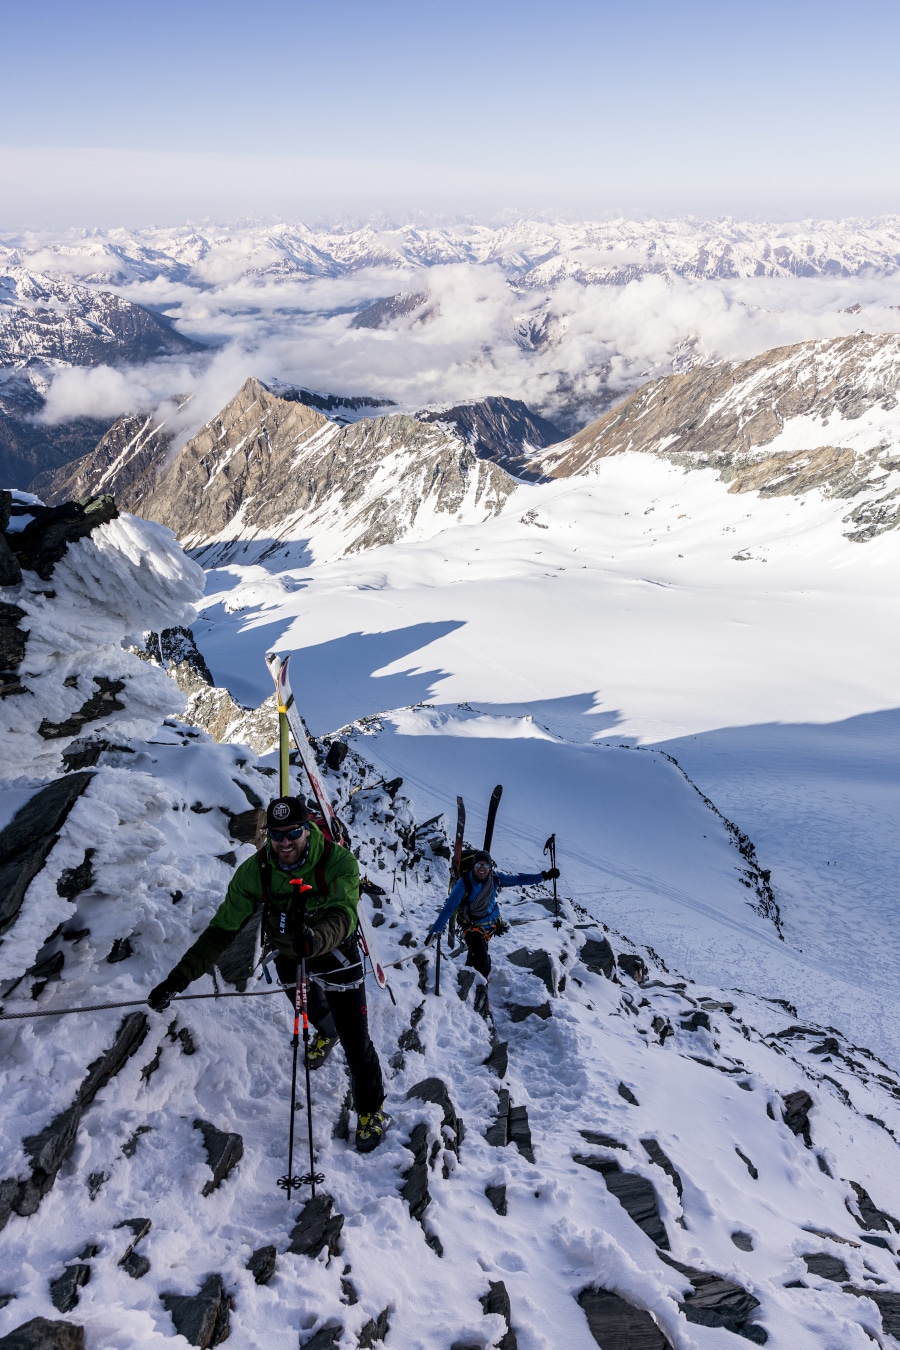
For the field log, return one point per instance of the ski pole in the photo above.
(437, 967)
(301, 1013)
(550, 847)
(133, 1003)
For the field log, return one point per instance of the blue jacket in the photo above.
(458, 895)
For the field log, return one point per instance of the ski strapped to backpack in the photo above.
(331, 826)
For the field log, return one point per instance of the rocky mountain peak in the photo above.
(816, 415)
(276, 472)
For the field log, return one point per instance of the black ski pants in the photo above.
(342, 1013)
(479, 956)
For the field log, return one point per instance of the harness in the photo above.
(264, 864)
(467, 921)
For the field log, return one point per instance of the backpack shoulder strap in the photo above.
(265, 882)
(321, 882)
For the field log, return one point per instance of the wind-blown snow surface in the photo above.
(592, 1055)
(638, 605)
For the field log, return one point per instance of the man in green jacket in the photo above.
(318, 923)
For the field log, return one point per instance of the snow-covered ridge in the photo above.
(819, 416)
(613, 1145)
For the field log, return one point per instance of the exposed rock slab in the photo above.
(202, 1318)
(42, 1334)
(223, 1150)
(618, 1325)
(539, 963)
(598, 956)
(318, 1227)
(26, 842)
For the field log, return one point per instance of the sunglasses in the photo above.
(282, 836)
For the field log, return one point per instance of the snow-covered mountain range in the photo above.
(624, 1153)
(535, 253)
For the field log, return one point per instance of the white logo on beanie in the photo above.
(281, 810)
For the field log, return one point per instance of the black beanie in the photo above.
(482, 856)
(286, 813)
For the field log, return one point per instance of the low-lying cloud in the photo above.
(566, 349)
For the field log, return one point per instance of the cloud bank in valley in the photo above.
(565, 348)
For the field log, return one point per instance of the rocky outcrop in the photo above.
(729, 416)
(268, 470)
(504, 430)
(125, 463)
(26, 842)
(202, 1318)
(42, 542)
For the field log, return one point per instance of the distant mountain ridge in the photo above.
(49, 323)
(534, 253)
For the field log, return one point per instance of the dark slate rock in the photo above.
(375, 1330)
(497, 1133)
(26, 841)
(415, 1180)
(6, 1298)
(74, 880)
(129, 1037)
(871, 1217)
(518, 1011)
(599, 1139)
(826, 1267)
(754, 1172)
(48, 1151)
(717, 1302)
(262, 1264)
(10, 571)
(101, 703)
(435, 1090)
(797, 1106)
(627, 1094)
(631, 964)
(42, 1334)
(337, 753)
(325, 1338)
(828, 1047)
(696, 1020)
(135, 1265)
(598, 957)
(496, 1300)
(743, 1241)
(497, 1197)
(481, 1003)
(638, 1198)
(9, 1189)
(539, 963)
(12, 637)
(656, 1155)
(888, 1304)
(464, 980)
(662, 1028)
(201, 1318)
(617, 1325)
(42, 543)
(64, 1289)
(317, 1228)
(606, 1166)
(420, 961)
(139, 1229)
(245, 826)
(223, 1150)
(498, 1060)
(520, 1132)
(120, 951)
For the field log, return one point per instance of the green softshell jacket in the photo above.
(332, 917)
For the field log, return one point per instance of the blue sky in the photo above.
(113, 112)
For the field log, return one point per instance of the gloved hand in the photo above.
(430, 938)
(551, 874)
(160, 997)
(307, 941)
